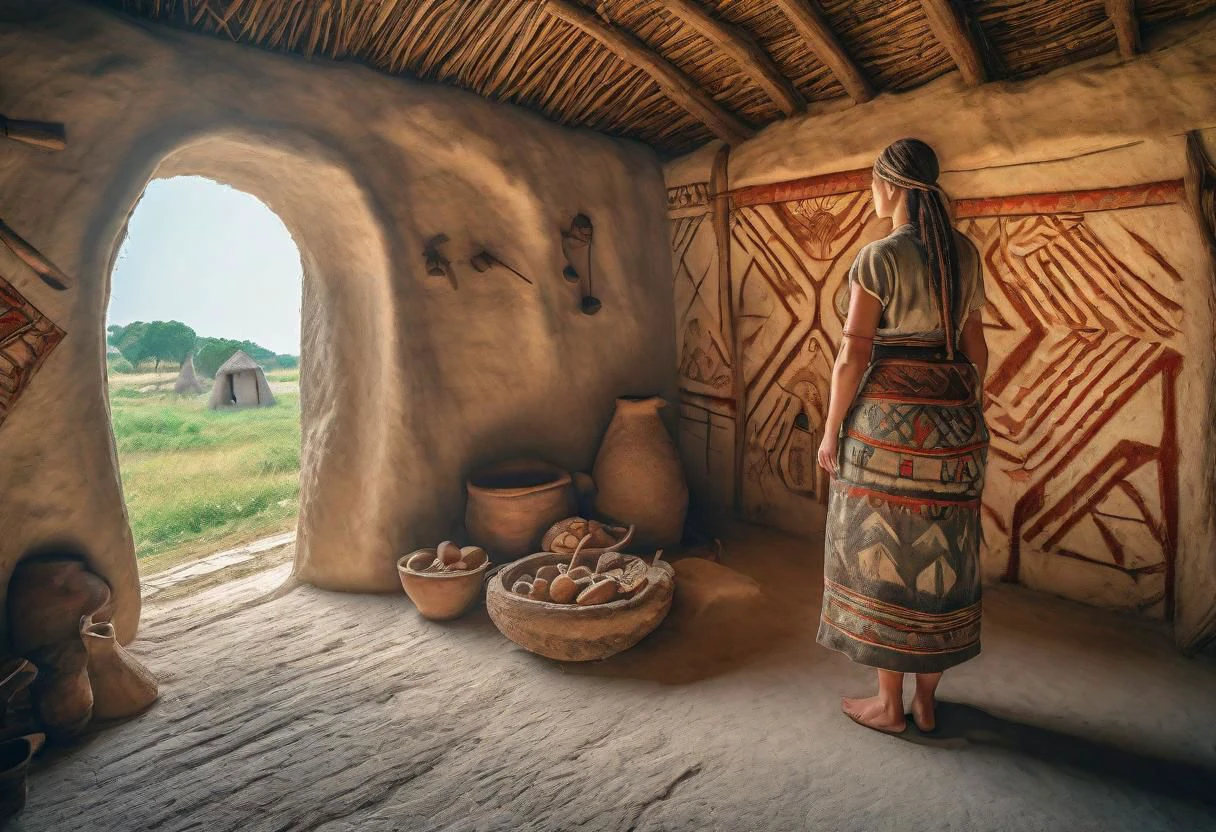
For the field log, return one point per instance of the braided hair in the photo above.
(911, 164)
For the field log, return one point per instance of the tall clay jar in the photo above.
(638, 474)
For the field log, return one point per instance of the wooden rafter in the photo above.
(744, 50)
(951, 32)
(675, 84)
(823, 42)
(1122, 14)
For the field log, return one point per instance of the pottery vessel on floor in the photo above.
(573, 633)
(62, 695)
(638, 474)
(47, 596)
(441, 596)
(122, 687)
(512, 504)
(15, 756)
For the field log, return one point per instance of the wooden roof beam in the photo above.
(675, 84)
(822, 41)
(951, 32)
(744, 50)
(1122, 14)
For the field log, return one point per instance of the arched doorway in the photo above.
(344, 536)
(207, 277)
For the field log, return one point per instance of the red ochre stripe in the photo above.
(922, 629)
(915, 651)
(895, 609)
(881, 397)
(911, 502)
(962, 450)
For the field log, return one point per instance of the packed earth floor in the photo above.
(314, 710)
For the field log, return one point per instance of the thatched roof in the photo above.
(239, 361)
(676, 73)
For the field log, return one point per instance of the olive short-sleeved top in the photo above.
(893, 270)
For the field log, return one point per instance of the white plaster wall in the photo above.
(407, 382)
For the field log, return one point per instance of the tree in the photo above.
(168, 341)
(130, 342)
(158, 340)
(212, 353)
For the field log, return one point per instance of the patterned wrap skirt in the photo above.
(901, 561)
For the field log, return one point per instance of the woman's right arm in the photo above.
(975, 345)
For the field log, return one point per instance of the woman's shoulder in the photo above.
(889, 246)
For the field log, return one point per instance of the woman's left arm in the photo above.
(865, 310)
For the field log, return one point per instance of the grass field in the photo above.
(197, 481)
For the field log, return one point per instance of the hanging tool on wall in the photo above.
(578, 237)
(436, 264)
(51, 274)
(47, 135)
(483, 261)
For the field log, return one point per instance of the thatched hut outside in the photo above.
(240, 382)
(187, 383)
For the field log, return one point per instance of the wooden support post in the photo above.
(675, 84)
(822, 41)
(1122, 14)
(744, 50)
(951, 32)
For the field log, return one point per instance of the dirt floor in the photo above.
(340, 713)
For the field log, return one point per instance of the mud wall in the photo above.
(407, 380)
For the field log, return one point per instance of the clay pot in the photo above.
(122, 687)
(15, 756)
(47, 597)
(511, 504)
(577, 633)
(638, 474)
(441, 596)
(63, 698)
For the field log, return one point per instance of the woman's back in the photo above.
(893, 270)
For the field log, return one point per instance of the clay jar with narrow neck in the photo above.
(638, 474)
(121, 686)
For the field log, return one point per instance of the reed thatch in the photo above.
(676, 73)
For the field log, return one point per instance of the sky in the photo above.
(212, 257)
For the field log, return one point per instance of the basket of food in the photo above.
(580, 613)
(564, 537)
(443, 582)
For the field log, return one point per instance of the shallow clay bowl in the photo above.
(441, 596)
(568, 632)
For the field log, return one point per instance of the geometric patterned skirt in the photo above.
(901, 561)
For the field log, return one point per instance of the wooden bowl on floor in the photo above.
(571, 633)
(441, 596)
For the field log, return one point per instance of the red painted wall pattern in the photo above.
(1083, 322)
(27, 337)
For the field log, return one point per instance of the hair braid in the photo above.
(911, 164)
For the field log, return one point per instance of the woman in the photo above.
(906, 446)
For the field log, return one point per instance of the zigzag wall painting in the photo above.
(1083, 324)
(26, 339)
(707, 401)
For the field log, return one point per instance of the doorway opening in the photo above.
(203, 345)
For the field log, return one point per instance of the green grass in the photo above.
(196, 480)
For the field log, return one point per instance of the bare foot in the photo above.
(923, 713)
(874, 712)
